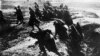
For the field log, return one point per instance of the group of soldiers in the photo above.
(72, 36)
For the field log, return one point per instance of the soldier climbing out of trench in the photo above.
(74, 47)
(45, 41)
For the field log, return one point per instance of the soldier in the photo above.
(79, 29)
(19, 15)
(2, 20)
(61, 6)
(60, 14)
(56, 13)
(44, 14)
(67, 18)
(45, 41)
(37, 11)
(61, 31)
(32, 20)
(36, 5)
(48, 5)
(49, 15)
(52, 14)
(74, 45)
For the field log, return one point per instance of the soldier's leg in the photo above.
(42, 49)
(53, 47)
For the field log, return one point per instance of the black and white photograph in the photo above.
(49, 27)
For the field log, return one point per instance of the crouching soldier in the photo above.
(45, 41)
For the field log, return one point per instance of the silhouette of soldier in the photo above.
(37, 11)
(61, 6)
(44, 16)
(47, 15)
(32, 21)
(2, 20)
(51, 14)
(19, 15)
(45, 41)
(56, 13)
(60, 14)
(67, 18)
(61, 31)
(36, 5)
(79, 29)
(74, 45)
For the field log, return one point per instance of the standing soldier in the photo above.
(48, 5)
(51, 14)
(19, 15)
(61, 6)
(36, 5)
(79, 29)
(67, 18)
(2, 20)
(44, 16)
(37, 11)
(32, 20)
(61, 31)
(74, 44)
(56, 13)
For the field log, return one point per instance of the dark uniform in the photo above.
(48, 5)
(67, 18)
(56, 13)
(44, 17)
(45, 41)
(74, 45)
(32, 20)
(2, 20)
(79, 29)
(19, 15)
(61, 6)
(37, 11)
(59, 14)
(51, 14)
(61, 31)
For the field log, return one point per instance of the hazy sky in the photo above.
(71, 0)
(83, 0)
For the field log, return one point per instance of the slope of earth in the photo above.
(23, 45)
(91, 30)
